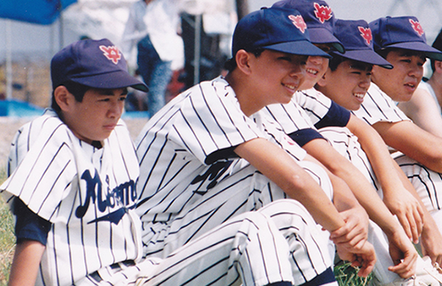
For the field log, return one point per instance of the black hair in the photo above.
(335, 61)
(77, 89)
(437, 44)
(231, 64)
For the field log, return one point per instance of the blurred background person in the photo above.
(153, 27)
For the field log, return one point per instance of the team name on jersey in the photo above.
(121, 196)
(211, 176)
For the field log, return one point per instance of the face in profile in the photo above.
(400, 82)
(348, 84)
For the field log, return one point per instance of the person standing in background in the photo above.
(153, 26)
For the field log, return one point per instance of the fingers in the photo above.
(406, 267)
(412, 221)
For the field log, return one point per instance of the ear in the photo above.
(323, 80)
(243, 61)
(438, 66)
(63, 97)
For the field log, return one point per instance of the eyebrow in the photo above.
(361, 66)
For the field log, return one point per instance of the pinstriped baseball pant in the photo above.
(246, 190)
(428, 184)
(253, 248)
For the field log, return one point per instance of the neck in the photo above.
(247, 98)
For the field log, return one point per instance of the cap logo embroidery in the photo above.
(112, 53)
(417, 27)
(323, 13)
(366, 34)
(298, 21)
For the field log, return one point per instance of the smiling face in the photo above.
(348, 84)
(278, 75)
(95, 117)
(400, 82)
(315, 68)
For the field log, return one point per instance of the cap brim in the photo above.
(113, 80)
(366, 56)
(429, 51)
(304, 48)
(323, 36)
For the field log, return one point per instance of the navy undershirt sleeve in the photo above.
(29, 226)
(336, 116)
(303, 136)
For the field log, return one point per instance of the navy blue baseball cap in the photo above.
(93, 63)
(277, 29)
(319, 19)
(402, 33)
(358, 42)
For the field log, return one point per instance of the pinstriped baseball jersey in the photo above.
(378, 106)
(290, 116)
(187, 148)
(314, 102)
(313, 106)
(88, 195)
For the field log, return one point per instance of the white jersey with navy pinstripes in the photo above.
(88, 195)
(378, 106)
(187, 148)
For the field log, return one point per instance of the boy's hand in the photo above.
(363, 257)
(403, 254)
(408, 211)
(430, 241)
(355, 231)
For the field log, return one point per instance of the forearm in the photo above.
(356, 181)
(377, 153)
(413, 141)
(282, 169)
(25, 263)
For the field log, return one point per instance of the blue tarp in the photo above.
(43, 12)
(17, 108)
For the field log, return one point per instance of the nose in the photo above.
(115, 108)
(417, 71)
(365, 81)
(316, 60)
(298, 68)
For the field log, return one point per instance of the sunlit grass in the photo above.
(7, 239)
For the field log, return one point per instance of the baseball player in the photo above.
(424, 107)
(354, 68)
(202, 157)
(419, 160)
(290, 116)
(72, 173)
(72, 189)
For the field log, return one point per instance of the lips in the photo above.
(110, 126)
(359, 95)
(292, 87)
(312, 71)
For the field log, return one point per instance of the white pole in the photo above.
(8, 60)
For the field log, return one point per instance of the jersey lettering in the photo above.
(212, 175)
(123, 195)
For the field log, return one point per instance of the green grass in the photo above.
(347, 275)
(7, 239)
